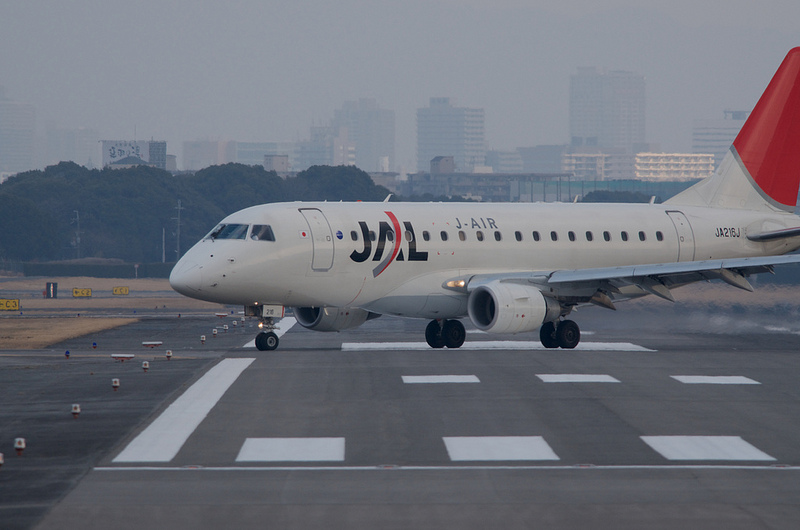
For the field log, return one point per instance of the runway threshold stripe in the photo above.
(163, 438)
(412, 379)
(705, 448)
(715, 380)
(577, 378)
(493, 345)
(486, 448)
(292, 450)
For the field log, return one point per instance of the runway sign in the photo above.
(8, 304)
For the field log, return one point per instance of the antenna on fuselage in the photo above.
(388, 197)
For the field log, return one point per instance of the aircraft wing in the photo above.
(603, 286)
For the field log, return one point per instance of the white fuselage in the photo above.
(393, 257)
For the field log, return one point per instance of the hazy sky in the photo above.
(254, 70)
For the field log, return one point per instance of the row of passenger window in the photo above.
(498, 236)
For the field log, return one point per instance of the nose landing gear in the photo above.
(267, 340)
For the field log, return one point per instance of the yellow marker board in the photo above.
(81, 293)
(7, 304)
(121, 291)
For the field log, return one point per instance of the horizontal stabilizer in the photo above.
(775, 234)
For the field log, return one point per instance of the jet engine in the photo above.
(332, 318)
(500, 307)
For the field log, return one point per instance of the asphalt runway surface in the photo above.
(662, 418)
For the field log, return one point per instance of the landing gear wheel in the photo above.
(547, 334)
(266, 341)
(453, 333)
(433, 334)
(568, 334)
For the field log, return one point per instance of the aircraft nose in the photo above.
(186, 278)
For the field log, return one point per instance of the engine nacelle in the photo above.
(499, 307)
(332, 318)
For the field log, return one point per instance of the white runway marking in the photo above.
(462, 448)
(163, 438)
(493, 345)
(577, 378)
(705, 448)
(410, 379)
(715, 380)
(284, 325)
(292, 450)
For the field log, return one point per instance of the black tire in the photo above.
(453, 333)
(547, 334)
(267, 341)
(568, 334)
(433, 335)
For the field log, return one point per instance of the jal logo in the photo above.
(390, 233)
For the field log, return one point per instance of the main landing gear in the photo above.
(441, 333)
(566, 335)
(267, 340)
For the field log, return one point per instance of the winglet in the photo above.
(768, 144)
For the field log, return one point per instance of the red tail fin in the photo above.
(769, 142)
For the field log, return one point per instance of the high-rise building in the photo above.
(17, 135)
(607, 110)
(371, 131)
(153, 153)
(716, 136)
(81, 146)
(446, 130)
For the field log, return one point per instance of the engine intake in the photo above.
(499, 307)
(332, 318)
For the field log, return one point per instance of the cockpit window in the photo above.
(228, 231)
(262, 233)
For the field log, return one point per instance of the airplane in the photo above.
(511, 267)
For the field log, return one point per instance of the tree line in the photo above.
(123, 213)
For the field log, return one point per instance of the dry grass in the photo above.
(34, 333)
(43, 321)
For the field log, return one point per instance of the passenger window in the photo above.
(462, 236)
(535, 235)
(607, 236)
(479, 235)
(498, 236)
(390, 235)
(659, 236)
(518, 235)
(353, 235)
(571, 235)
(262, 233)
(372, 235)
(642, 236)
(553, 236)
(589, 236)
(426, 235)
(624, 235)
(409, 235)
(443, 235)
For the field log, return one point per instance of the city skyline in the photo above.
(251, 72)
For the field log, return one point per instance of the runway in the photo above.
(686, 424)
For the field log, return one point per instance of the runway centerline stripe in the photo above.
(705, 448)
(577, 378)
(494, 345)
(411, 379)
(715, 380)
(485, 448)
(292, 450)
(163, 438)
